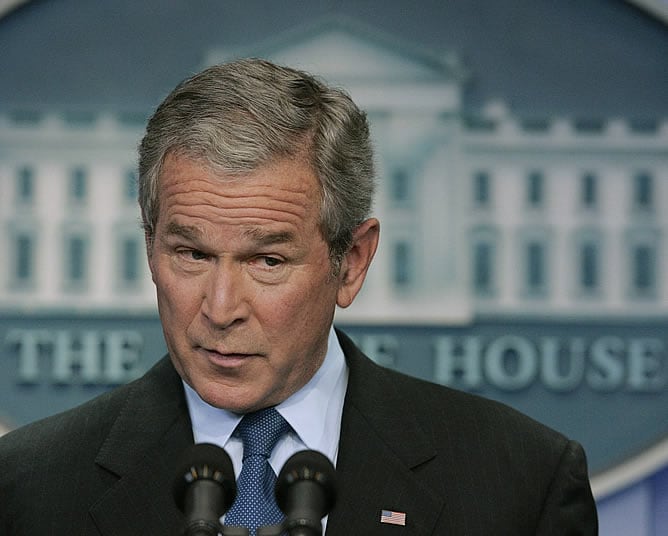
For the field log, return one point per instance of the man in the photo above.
(256, 184)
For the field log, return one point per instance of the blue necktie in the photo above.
(255, 505)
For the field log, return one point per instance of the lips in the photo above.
(228, 354)
(226, 357)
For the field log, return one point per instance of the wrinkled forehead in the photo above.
(291, 173)
(280, 197)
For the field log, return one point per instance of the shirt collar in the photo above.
(314, 412)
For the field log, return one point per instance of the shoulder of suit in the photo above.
(436, 403)
(450, 401)
(86, 423)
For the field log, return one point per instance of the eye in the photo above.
(270, 261)
(266, 263)
(198, 255)
(192, 254)
(269, 269)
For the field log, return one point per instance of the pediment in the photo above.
(342, 51)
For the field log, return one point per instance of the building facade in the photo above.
(486, 215)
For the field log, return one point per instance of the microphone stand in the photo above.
(292, 529)
(271, 530)
(233, 530)
(206, 530)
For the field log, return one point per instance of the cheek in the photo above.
(177, 300)
(305, 307)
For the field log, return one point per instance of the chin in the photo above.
(211, 394)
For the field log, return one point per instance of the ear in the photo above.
(148, 243)
(357, 261)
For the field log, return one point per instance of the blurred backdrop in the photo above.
(522, 152)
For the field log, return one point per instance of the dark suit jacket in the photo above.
(455, 464)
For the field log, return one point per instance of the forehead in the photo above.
(289, 172)
(285, 190)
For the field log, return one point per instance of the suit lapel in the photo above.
(143, 445)
(383, 442)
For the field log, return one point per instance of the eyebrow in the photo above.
(186, 231)
(258, 235)
(264, 238)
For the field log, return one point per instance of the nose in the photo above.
(223, 303)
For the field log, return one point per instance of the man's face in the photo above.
(244, 281)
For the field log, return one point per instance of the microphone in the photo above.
(204, 488)
(306, 492)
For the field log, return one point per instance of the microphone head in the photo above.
(205, 462)
(307, 466)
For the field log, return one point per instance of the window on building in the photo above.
(535, 189)
(483, 268)
(403, 265)
(589, 190)
(76, 261)
(643, 255)
(535, 265)
(401, 188)
(535, 271)
(642, 191)
(482, 195)
(130, 187)
(589, 266)
(130, 261)
(24, 259)
(78, 185)
(643, 269)
(25, 185)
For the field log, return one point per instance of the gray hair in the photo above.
(241, 115)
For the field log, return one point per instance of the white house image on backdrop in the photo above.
(495, 214)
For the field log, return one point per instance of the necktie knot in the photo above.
(260, 431)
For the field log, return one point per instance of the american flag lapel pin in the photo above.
(393, 518)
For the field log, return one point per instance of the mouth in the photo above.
(226, 358)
